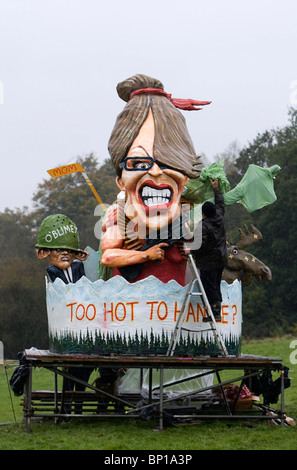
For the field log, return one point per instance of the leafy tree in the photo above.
(23, 317)
(273, 309)
(236, 212)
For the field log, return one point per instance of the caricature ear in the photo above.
(120, 183)
(81, 255)
(42, 253)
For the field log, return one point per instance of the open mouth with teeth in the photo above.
(152, 195)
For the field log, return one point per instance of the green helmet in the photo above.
(58, 231)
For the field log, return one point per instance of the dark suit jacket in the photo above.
(77, 268)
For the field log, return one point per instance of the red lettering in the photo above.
(64, 170)
(235, 313)
(116, 311)
(94, 314)
(108, 311)
(224, 314)
(132, 309)
(152, 308)
(71, 312)
(191, 312)
(158, 311)
(176, 311)
(83, 308)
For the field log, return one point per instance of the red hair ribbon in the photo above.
(186, 104)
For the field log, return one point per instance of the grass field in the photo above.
(136, 434)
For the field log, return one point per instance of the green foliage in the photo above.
(270, 308)
(23, 319)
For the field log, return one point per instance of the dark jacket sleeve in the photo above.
(219, 202)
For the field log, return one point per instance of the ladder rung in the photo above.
(209, 329)
(200, 331)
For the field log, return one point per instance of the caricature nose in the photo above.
(155, 170)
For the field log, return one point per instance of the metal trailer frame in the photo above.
(50, 404)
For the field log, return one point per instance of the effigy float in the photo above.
(135, 311)
(119, 308)
(130, 294)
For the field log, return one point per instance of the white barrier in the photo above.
(122, 318)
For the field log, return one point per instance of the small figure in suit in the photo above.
(58, 239)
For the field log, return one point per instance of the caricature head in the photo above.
(152, 153)
(58, 240)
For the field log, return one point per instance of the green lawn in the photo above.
(136, 434)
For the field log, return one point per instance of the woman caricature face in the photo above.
(152, 191)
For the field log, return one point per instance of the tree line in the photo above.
(269, 308)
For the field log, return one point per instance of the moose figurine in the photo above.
(242, 265)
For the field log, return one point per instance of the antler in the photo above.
(249, 238)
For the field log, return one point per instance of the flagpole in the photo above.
(75, 168)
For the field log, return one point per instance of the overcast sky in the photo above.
(60, 62)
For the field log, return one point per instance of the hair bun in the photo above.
(126, 87)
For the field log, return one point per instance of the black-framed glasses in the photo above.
(140, 164)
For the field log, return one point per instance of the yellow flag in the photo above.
(75, 168)
(65, 170)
